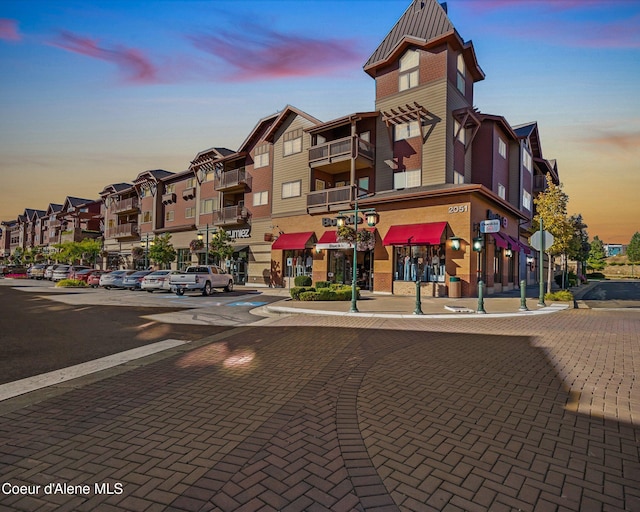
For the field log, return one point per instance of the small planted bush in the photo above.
(559, 296)
(334, 292)
(295, 292)
(71, 283)
(302, 281)
(322, 284)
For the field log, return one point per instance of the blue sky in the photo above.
(95, 92)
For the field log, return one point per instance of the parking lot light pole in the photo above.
(146, 243)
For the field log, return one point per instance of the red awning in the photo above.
(501, 241)
(292, 241)
(415, 234)
(517, 244)
(328, 237)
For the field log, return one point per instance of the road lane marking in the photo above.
(22, 386)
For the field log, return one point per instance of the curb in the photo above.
(282, 310)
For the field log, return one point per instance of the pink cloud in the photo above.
(625, 141)
(134, 65)
(9, 30)
(553, 5)
(272, 55)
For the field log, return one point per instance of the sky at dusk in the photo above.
(94, 93)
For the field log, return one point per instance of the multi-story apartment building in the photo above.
(431, 165)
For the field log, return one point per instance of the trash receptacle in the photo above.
(455, 287)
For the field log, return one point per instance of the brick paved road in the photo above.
(351, 414)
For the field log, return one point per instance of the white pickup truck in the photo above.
(202, 278)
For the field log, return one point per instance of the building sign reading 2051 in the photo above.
(458, 208)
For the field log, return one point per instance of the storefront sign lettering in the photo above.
(496, 216)
(239, 233)
(328, 222)
(459, 208)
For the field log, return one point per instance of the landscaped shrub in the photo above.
(335, 292)
(302, 281)
(561, 296)
(322, 284)
(295, 292)
(71, 283)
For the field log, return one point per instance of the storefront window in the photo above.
(497, 266)
(298, 262)
(184, 258)
(420, 262)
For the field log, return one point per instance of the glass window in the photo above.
(190, 213)
(168, 216)
(208, 205)
(190, 183)
(406, 130)
(460, 74)
(502, 148)
(146, 216)
(526, 160)
(458, 178)
(293, 142)
(301, 262)
(502, 192)
(291, 189)
(408, 80)
(407, 179)
(459, 132)
(261, 198)
(526, 200)
(363, 185)
(170, 188)
(261, 160)
(419, 262)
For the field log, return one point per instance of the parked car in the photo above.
(114, 279)
(74, 269)
(60, 273)
(158, 280)
(48, 272)
(36, 271)
(14, 269)
(83, 275)
(133, 281)
(201, 278)
(93, 279)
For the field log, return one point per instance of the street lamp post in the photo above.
(371, 221)
(478, 244)
(206, 247)
(146, 243)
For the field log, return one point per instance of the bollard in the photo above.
(418, 310)
(523, 296)
(481, 298)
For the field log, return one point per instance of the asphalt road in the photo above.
(38, 335)
(614, 294)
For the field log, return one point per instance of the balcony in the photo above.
(189, 193)
(235, 179)
(236, 214)
(123, 231)
(169, 198)
(539, 183)
(130, 204)
(334, 156)
(331, 199)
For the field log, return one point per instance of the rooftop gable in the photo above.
(283, 116)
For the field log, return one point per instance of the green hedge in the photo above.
(335, 292)
(71, 283)
(295, 292)
(323, 284)
(560, 296)
(302, 281)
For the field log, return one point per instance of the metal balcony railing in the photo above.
(123, 230)
(341, 147)
(230, 215)
(124, 205)
(232, 179)
(332, 196)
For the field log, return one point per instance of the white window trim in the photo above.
(407, 179)
(405, 131)
(502, 147)
(261, 198)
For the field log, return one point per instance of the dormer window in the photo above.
(461, 73)
(409, 66)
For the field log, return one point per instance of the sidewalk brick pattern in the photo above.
(346, 414)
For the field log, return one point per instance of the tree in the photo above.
(579, 246)
(633, 250)
(162, 250)
(551, 207)
(90, 249)
(220, 246)
(597, 255)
